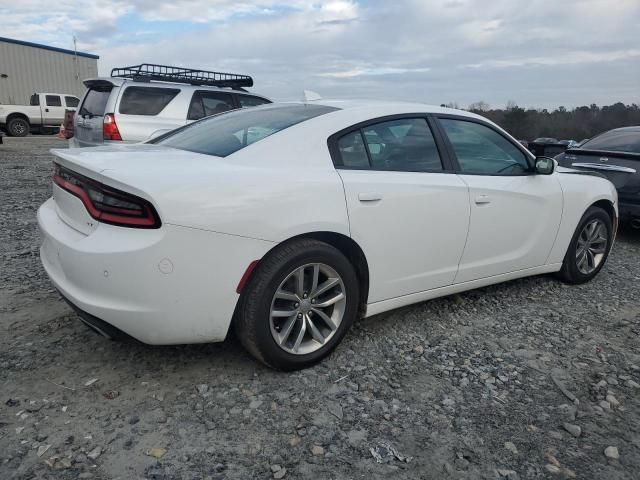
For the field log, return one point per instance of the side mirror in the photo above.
(545, 165)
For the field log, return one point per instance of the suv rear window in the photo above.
(222, 135)
(95, 102)
(146, 100)
(251, 101)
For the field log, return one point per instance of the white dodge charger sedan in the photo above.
(290, 220)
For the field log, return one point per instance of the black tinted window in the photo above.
(225, 134)
(53, 101)
(204, 104)
(95, 102)
(352, 150)
(146, 100)
(35, 100)
(250, 101)
(615, 141)
(402, 145)
(481, 150)
(71, 101)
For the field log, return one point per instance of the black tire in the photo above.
(252, 322)
(570, 272)
(18, 127)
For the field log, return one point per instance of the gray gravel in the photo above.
(529, 379)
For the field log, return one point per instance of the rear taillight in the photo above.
(106, 204)
(110, 128)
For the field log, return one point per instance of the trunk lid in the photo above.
(151, 172)
(621, 168)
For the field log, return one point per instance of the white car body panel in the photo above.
(426, 237)
(410, 209)
(501, 238)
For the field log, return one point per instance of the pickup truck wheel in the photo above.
(18, 127)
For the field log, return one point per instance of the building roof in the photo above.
(48, 47)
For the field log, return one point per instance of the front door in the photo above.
(515, 213)
(408, 213)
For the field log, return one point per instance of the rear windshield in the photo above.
(224, 134)
(615, 141)
(95, 102)
(146, 100)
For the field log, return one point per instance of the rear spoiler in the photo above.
(602, 153)
(102, 83)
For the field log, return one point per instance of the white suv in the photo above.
(143, 101)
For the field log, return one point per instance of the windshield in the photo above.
(224, 134)
(623, 140)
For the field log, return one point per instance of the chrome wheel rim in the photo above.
(19, 128)
(592, 246)
(307, 308)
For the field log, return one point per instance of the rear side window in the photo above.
(404, 145)
(204, 104)
(223, 135)
(95, 102)
(615, 141)
(146, 100)
(71, 101)
(35, 100)
(250, 101)
(53, 101)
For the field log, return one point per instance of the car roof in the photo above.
(386, 106)
(633, 128)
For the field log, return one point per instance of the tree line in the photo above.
(561, 123)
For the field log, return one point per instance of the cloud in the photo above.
(425, 50)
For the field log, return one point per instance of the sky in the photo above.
(536, 53)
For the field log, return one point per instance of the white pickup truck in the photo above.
(45, 110)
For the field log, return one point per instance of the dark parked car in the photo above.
(546, 147)
(616, 154)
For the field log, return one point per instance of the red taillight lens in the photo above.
(110, 128)
(106, 204)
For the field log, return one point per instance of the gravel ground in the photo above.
(528, 379)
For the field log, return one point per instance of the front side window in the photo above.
(146, 100)
(250, 101)
(622, 140)
(481, 150)
(405, 144)
(53, 101)
(204, 104)
(222, 135)
(71, 101)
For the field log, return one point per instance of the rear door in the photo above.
(407, 210)
(53, 110)
(515, 213)
(90, 115)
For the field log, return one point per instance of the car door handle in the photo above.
(370, 197)
(46, 109)
(483, 199)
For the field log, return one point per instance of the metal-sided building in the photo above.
(26, 68)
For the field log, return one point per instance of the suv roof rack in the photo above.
(165, 73)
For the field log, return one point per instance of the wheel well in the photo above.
(607, 206)
(350, 249)
(18, 115)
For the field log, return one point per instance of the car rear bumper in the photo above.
(167, 286)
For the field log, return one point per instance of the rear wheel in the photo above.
(589, 247)
(18, 127)
(298, 305)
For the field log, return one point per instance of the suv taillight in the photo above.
(106, 204)
(110, 128)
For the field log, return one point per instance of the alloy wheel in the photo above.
(307, 308)
(592, 246)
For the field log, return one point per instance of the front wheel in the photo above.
(298, 305)
(589, 247)
(18, 127)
